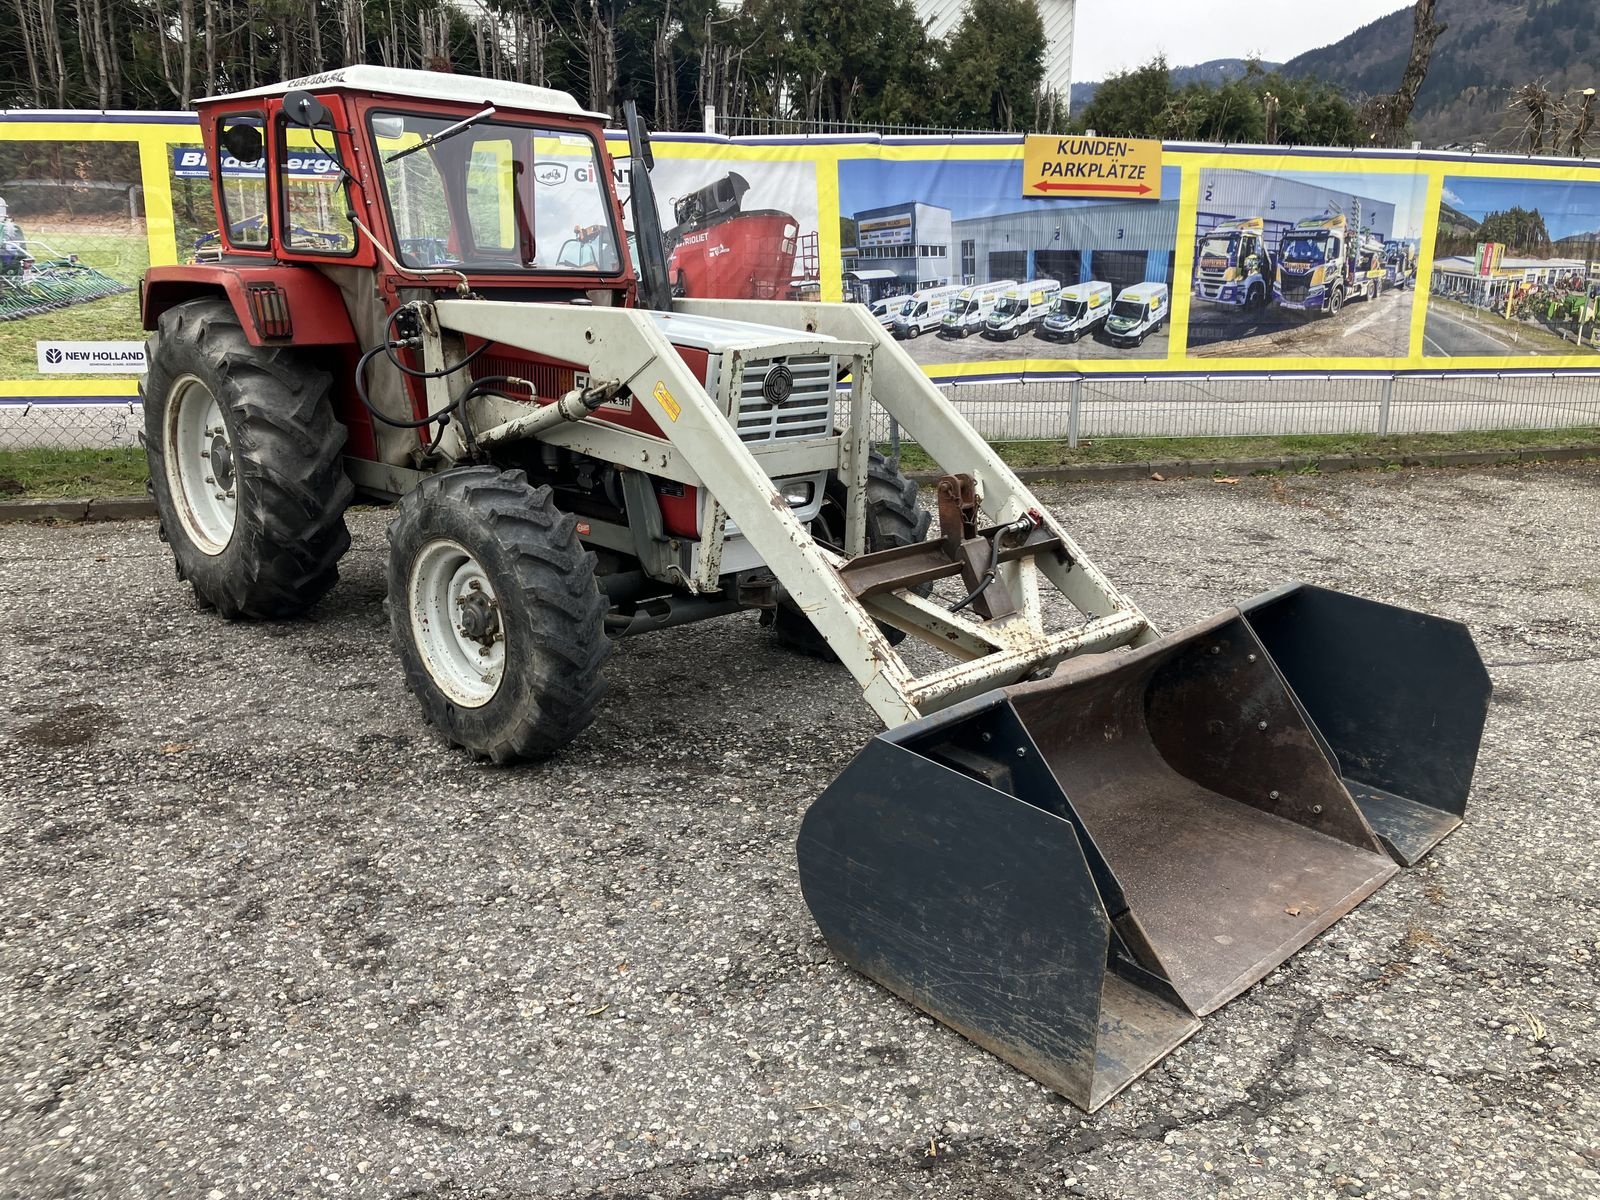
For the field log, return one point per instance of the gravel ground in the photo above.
(264, 936)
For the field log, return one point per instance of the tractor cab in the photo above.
(409, 172)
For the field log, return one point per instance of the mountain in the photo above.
(1456, 221)
(1577, 245)
(1489, 48)
(1218, 70)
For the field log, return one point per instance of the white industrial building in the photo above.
(1229, 195)
(899, 248)
(942, 16)
(1122, 242)
(1458, 277)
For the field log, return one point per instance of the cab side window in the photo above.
(242, 179)
(315, 202)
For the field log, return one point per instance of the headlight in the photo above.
(797, 493)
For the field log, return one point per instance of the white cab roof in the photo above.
(1143, 291)
(428, 85)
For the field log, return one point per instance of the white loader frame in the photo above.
(626, 348)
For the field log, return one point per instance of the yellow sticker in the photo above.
(668, 405)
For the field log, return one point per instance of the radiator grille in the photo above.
(808, 412)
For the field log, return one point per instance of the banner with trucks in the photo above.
(1241, 259)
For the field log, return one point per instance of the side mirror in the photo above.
(244, 142)
(388, 128)
(305, 109)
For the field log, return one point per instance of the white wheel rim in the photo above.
(456, 623)
(202, 471)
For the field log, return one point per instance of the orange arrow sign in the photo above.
(1082, 167)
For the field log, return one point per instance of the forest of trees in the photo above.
(858, 61)
(1522, 231)
(1258, 106)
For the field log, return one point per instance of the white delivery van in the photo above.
(972, 307)
(1137, 313)
(1078, 310)
(1020, 309)
(923, 310)
(885, 310)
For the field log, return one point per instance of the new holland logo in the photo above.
(550, 174)
(90, 358)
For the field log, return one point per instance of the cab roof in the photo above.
(426, 85)
(1142, 291)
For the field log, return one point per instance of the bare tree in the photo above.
(1585, 122)
(1386, 116)
(1537, 108)
(666, 74)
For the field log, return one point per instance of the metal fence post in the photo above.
(1074, 412)
(1383, 407)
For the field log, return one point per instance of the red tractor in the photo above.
(422, 296)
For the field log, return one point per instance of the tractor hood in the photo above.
(714, 333)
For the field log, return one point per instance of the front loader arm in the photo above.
(626, 345)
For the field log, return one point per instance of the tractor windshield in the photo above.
(496, 197)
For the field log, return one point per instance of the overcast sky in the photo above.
(1114, 35)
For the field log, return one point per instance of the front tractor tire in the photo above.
(894, 518)
(496, 614)
(246, 465)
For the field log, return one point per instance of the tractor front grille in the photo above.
(808, 410)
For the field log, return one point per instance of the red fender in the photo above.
(276, 304)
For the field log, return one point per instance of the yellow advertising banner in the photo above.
(1134, 262)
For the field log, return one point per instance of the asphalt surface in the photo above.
(1447, 335)
(261, 934)
(930, 349)
(1379, 328)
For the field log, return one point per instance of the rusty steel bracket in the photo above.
(925, 562)
(958, 511)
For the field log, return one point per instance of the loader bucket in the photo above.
(1071, 872)
(1399, 698)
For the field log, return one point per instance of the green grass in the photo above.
(123, 255)
(49, 473)
(1310, 446)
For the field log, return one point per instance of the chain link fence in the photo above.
(1085, 408)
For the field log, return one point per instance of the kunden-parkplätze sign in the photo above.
(1066, 167)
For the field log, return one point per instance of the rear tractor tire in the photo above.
(894, 518)
(496, 614)
(245, 463)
